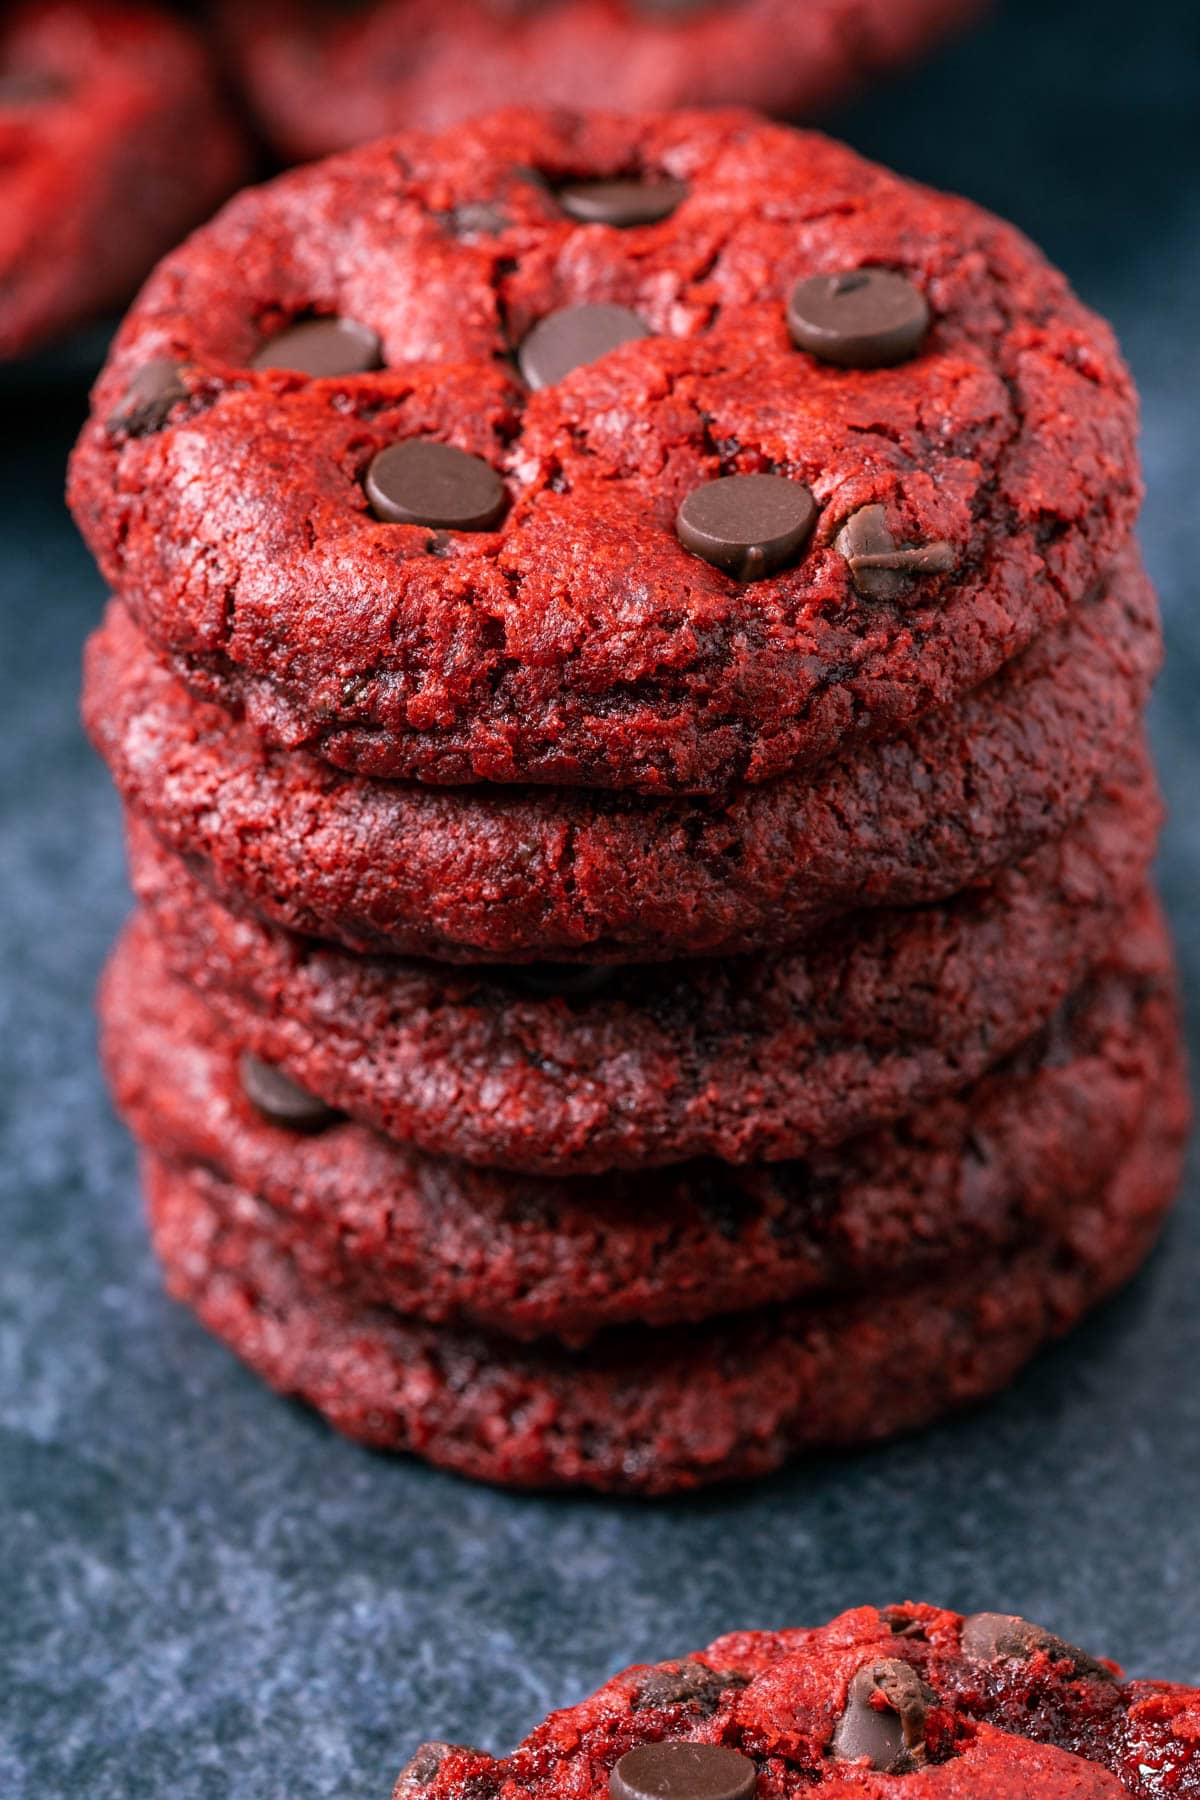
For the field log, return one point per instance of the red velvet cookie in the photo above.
(432, 473)
(579, 1070)
(1020, 1156)
(113, 141)
(320, 80)
(657, 1412)
(909, 1698)
(512, 875)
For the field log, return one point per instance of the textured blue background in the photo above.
(202, 1592)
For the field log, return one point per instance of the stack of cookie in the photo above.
(627, 680)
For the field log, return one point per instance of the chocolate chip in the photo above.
(880, 568)
(987, 1637)
(749, 525)
(884, 1718)
(152, 393)
(576, 335)
(678, 1771)
(29, 87)
(621, 203)
(322, 348)
(476, 218)
(423, 482)
(281, 1100)
(671, 9)
(688, 1684)
(424, 1764)
(571, 980)
(862, 319)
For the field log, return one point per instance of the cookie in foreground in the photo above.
(908, 1700)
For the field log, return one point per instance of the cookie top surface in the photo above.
(677, 549)
(88, 92)
(321, 80)
(1015, 1161)
(491, 874)
(577, 1070)
(908, 1699)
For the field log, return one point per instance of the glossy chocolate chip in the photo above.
(862, 319)
(621, 203)
(678, 1771)
(749, 525)
(422, 482)
(880, 568)
(424, 1764)
(688, 1684)
(570, 980)
(156, 388)
(323, 348)
(988, 1637)
(281, 1100)
(884, 1718)
(574, 336)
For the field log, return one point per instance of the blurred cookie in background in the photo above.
(114, 141)
(322, 77)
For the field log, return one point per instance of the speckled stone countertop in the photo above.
(205, 1594)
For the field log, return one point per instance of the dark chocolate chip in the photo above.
(323, 348)
(688, 1684)
(424, 1764)
(621, 203)
(880, 568)
(862, 319)
(476, 218)
(987, 1637)
(671, 9)
(574, 336)
(29, 87)
(423, 482)
(571, 980)
(678, 1771)
(152, 393)
(749, 525)
(884, 1718)
(281, 1100)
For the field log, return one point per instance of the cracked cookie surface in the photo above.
(934, 1703)
(577, 640)
(1016, 1159)
(513, 875)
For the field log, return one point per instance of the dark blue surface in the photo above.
(204, 1593)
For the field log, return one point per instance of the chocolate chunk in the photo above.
(322, 348)
(424, 1764)
(423, 482)
(570, 980)
(153, 392)
(576, 335)
(862, 319)
(884, 1718)
(281, 1100)
(621, 203)
(677, 1771)
(987, 1637)
(879, 567)
(688, 1684)
(749, 525)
